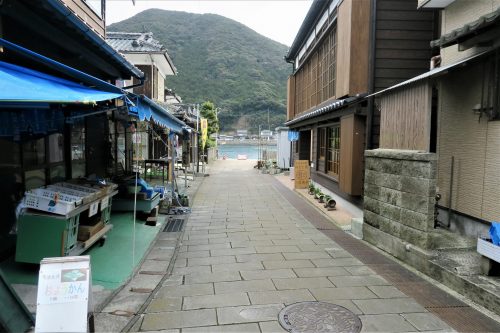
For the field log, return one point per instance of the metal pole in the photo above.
(451, 189)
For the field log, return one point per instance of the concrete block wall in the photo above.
(399, 197)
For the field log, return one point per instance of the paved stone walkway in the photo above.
(248, 252)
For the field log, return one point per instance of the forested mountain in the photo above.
(223, 61)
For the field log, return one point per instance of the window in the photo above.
(333, 151)
(315, 80)
(322, 143)
(78, 149)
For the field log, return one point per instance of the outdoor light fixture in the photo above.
(490, 112)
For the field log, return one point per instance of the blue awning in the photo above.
(75, 74)
(146, 109)
(19, 84)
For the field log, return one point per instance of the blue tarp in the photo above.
(146, 109)
(293, 135)
(23, 85)
(495, 233)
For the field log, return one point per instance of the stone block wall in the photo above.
(399, 197)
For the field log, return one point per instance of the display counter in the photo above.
(42, 234)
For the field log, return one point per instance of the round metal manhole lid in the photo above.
(318, 317)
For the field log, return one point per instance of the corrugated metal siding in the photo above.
(406, 118)
(403, 34)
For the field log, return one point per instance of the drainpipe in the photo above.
(141, 82)
(371, 75)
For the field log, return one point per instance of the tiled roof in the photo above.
(468, 30)
(140, 42)
(331, 106)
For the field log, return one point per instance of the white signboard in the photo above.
(94, 207)
(104, 203)
(64, 290)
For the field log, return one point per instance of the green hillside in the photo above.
(220, 60)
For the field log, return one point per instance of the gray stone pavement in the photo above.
(247, 252)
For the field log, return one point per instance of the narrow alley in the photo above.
(248, 251)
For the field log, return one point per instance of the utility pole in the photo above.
(197, 106)
(268, 124)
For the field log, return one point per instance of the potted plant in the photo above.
(330, 203)
(312, 189)
(317, 193)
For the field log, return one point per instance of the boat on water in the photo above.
(242, 157)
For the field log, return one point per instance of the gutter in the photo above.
(101, 43)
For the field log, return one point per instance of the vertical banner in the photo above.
(301, 169)
(204, 132)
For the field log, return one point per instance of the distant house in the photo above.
(147, 54)
(241, 133)
(344, 51)
(152, 58)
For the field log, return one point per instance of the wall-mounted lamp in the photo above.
(490, 112)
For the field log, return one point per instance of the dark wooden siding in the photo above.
(403, 34)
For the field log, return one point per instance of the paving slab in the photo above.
(271, 327)
(213, 301)
(267, 274)
(391, 305)
(302, 283)
(385, 323)
(248, 314)
(426, 322)
(276, 264)
(243, 266)
(280, 296)
(187, 290)
(323, 271)
(243, 286)
(358, 280)
(333, 294)
(387, 291)
(211, 260)
(178, 319)
(236, 328)
(165, 304)
(212, 277)
(260, 257)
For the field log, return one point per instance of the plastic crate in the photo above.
(38, 202)
(56, 195)
(488, 249)
(85, 196)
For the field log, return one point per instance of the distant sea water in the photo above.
(231, 151)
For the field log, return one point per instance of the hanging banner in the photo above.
(204, 132)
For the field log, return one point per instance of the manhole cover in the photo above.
(318, 317)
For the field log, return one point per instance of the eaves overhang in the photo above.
(307, 25)
(469, 30)
(329, 107)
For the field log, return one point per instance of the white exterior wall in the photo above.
(283, 148)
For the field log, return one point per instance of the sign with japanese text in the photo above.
(204, 132)
(63, 296)
(302, 173)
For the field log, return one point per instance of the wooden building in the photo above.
(453, 111)
(344, 51)
(52, 139)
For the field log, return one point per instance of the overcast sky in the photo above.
(277, 19)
